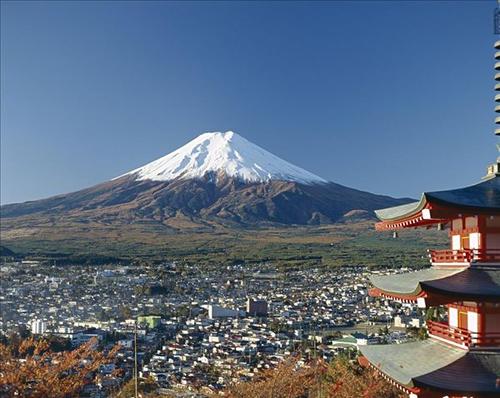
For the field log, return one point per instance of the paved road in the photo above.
(360, 327)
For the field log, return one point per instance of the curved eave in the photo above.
(408, 286)
(470, 284)
(411, 215)
(439, 296)
(404, 362)
(478, 375)
(403, 298)
(401, 212)
(441, 206)
(433, 365)
(440, 285)
(481, 197)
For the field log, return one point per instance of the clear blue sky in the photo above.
(391, 97)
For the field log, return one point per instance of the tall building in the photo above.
(461, 357)
(38, 326)
(257, 307)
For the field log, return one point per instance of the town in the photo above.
(200, 328)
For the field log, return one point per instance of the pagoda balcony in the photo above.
(464, 256)
(462, 337)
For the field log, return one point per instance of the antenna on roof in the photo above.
(496, 19)
(494, 169)
(496, 31)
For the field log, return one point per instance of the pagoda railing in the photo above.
(444, 331)
(464, 256)
(462, 336)
(486, 339)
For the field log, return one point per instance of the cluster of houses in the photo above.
(197, 327)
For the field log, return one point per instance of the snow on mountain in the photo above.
(223, 152)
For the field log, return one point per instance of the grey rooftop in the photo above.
(404, 362)
(484, 196)
(409, 283)
(430, 363)
(470, 283)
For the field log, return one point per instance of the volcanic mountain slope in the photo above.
(216, 178)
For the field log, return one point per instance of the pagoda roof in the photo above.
(483, 197)
(465, 283)
(404, 362)
(471, 283)
(410, 283)
(478, 372)
(433, 364)
(401, 211)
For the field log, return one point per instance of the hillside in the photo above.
(218, 179)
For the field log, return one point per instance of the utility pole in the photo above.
(315, 354)
(136, 395)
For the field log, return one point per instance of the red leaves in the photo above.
(35, 371)
(340, 379)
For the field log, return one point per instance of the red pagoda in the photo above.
(461, 356)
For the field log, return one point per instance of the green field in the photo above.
(332, 245)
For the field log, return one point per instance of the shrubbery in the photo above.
(317, 379)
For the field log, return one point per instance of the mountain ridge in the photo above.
(216, 178)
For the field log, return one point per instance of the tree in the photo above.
(34, 370)
(344, 379)
(125, 312)
(383, 331)
(277, 326)
(435, 314)
(101, 315)
(58, 344)
(284, 381)
(417, 333)
(340, 379)
(146, 388)
(182, 311)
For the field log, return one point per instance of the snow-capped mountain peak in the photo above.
(226, 152)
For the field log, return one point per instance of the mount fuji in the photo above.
(217, 178)
(227, 153)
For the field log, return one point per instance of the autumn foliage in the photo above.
(340, 379)
(32, 369)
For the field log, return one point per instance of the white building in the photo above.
(214, 311)
(38, 326)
